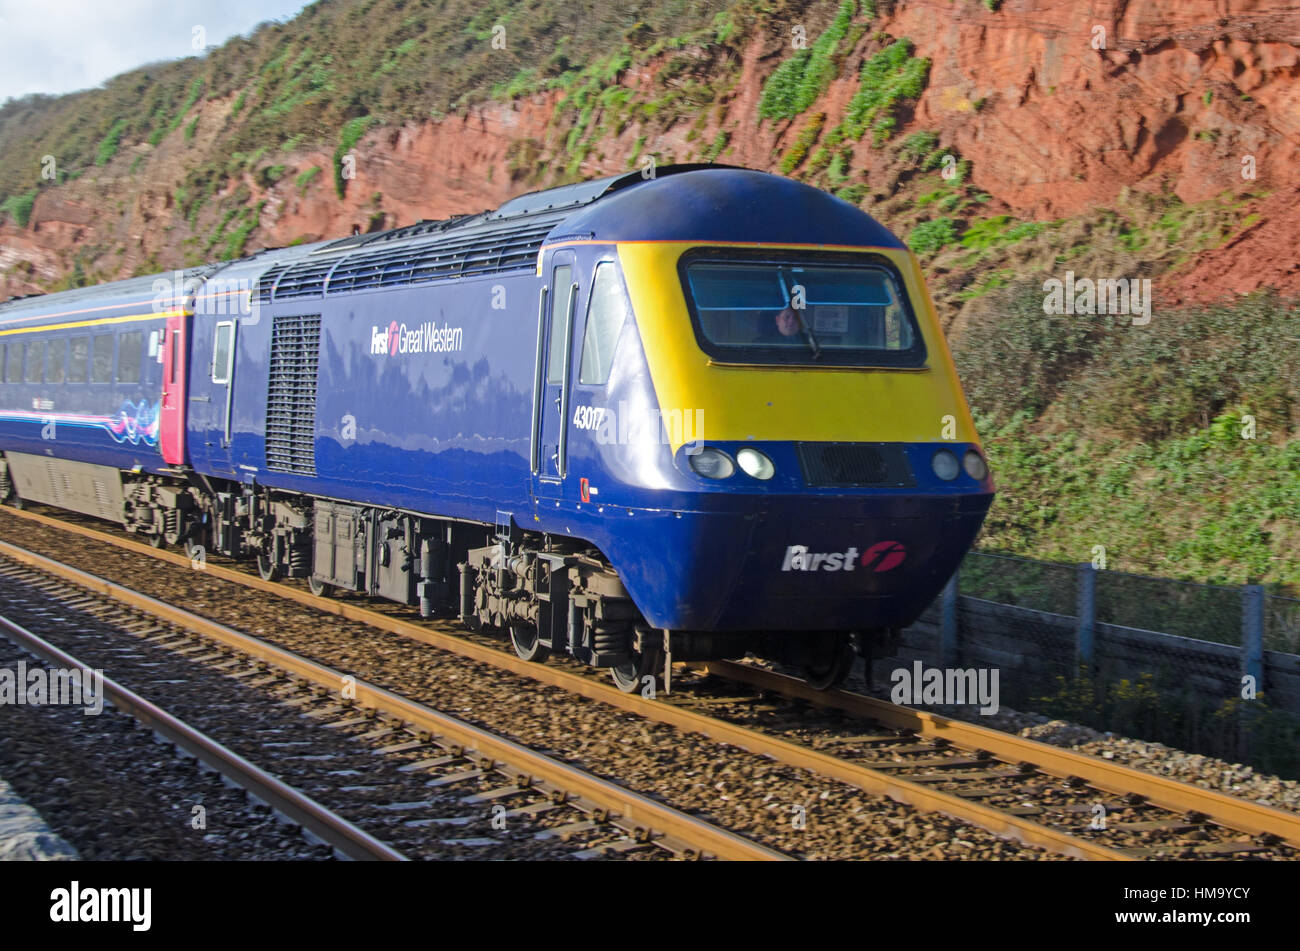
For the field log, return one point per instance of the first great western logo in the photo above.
(428, 337)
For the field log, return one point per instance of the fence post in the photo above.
(1252, 633)
(1086, 613)
(948, 623)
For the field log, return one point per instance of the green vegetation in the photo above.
(306, 178)
(19, 207)
(807, 136)
(800, 80)
(1164, 707)
(1084, 415)
(348, 139)
(108, 146)
(930, 236)
(889, 78)
(397, 60)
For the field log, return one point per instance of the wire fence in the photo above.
(1206, 668)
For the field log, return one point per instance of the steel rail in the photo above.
(876, 782)
(652, 820)
(1241, 814)
(302, 810)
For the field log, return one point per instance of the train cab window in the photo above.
(101, 362)
(563, 292)
(35, 361)
(605, 317)
(223, 352)
(827, 309)
(130, 346)
(78, 359)
(55, 363)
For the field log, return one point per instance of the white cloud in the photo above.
(56, 46)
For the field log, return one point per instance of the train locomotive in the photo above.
(634, 420)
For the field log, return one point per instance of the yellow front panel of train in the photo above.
(808, 403)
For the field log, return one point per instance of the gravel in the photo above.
(792, 810)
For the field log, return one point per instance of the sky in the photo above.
(55, 46)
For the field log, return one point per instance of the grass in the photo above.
(1087, 415)
(801, 79)
(19, 207)
(348, 138)
(931, 236)
(888, 79)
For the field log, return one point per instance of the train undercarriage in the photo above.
(546, 594)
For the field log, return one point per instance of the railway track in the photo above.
(328, 826)
(452, 766)
(1018, 788)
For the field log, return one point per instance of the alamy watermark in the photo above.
(946, 686)
(627, 426)
(1103, 295)
(56, 686)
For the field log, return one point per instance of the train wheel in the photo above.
(267, 568)
(18, 503)
(155, 541)
(832, 671)
(322, 589)
(528, 643)
(630, 676)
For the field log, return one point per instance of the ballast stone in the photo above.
(24, 836)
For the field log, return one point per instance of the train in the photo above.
(693, 413)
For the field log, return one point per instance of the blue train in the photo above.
(635, 419)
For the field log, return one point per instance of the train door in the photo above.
(556, 314)
(211, 393)
(171, 416)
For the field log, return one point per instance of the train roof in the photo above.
(707, 203)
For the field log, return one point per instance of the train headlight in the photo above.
(974, 465)
(945, 465)
(712, 464)
(755, 463)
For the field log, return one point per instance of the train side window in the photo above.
(35, 361)
(129, 348)
(223, 351)
(556, 356)
(605, 316)
(78, 357)
(14, 363)
(58, 353)
(101, 363)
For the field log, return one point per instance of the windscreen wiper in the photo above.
(798, 313)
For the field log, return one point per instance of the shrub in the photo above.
(930, 236)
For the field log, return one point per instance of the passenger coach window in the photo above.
(101, 364)
(129, 347)
(35, 360)
(222, 352)
(561, 293)
(78, 356)
(604, 321)
(14, 363)
(58, 352)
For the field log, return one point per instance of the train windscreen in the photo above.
(825, 310)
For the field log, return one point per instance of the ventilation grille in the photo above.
(493, 250)
(854, 464)
(266, 284)
(291, 396)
